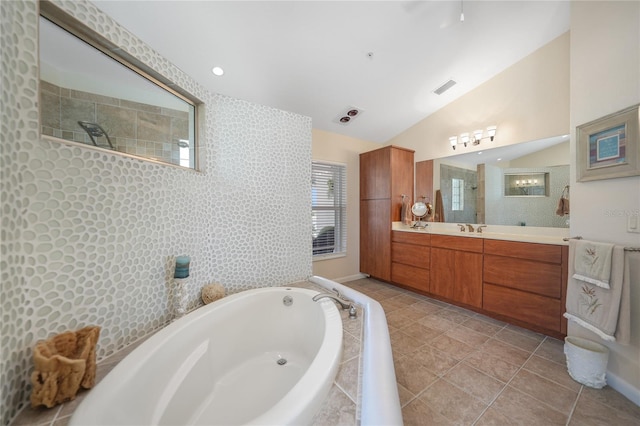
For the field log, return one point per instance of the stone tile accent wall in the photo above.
(90, 237)
(134, 128)
(470, 177)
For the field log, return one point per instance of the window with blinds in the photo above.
(329, 207)
(457, 194)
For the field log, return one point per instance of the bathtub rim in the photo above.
(142, 353)
(379, 400)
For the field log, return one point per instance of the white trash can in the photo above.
(586, 361)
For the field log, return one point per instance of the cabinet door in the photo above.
(442, 272)
(375, 238)
(468, 278)
(375, 174)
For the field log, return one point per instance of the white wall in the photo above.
(90, 237)
(605, 78)
(329, 146)
(527, 101)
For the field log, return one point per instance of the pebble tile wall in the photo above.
(90, 237)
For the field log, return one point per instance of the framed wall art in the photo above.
(608, 147)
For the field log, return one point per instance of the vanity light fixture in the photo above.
(474, 139)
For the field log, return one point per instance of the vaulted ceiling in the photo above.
(319, 58)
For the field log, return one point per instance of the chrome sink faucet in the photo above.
(470, 226)
(344, 303)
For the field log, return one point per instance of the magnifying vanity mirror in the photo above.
(419, 211)
(90, 95)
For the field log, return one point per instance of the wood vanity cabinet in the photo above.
(456, 269)
(385, 175)
(410, 258)
(526, 282)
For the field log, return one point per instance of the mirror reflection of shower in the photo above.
(94, 130)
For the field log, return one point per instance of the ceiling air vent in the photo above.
(446, 86)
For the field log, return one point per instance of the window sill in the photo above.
(329, 256)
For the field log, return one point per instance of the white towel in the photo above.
(603, 311)
(592, 262)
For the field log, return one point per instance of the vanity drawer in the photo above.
(410, 276)
(531, 251)
(411, 238)
(534, 277)
(531, 308)
(457, 243)
(410, 254)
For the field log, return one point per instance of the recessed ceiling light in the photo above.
(480, 153)
(217, 71)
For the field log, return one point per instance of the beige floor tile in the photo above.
(425, 307)
(493, 417)
(528, 333)
(552, 371)
(591, 413)
(518, 340)
(490, 320)
(62, 421)
(612, 398)
(389, 305)
(452, 402)
(526, 410)
(405, 299)
(399, 319)
(554, 395)
(434, 360)
(421, 332)
(402, 343)
(452, 347)
(492, 365)
(405, 395)
(476, 383)
(337, 409)
(438, 323)
(552, 349)
(453, 315)
(417, 413)
(413, 375)
(467, 336)
(505, 351)
(480, 326)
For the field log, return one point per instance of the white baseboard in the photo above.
(624, 387)
(357, 276)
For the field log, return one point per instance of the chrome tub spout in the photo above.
(345, 304)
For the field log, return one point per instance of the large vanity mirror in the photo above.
(89, 95)
(476, 187)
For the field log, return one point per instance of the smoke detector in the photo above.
(347, 115)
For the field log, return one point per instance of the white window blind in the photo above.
(329, 207)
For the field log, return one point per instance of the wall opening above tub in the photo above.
(86, 79)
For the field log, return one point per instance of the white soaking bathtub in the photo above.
(245, 359)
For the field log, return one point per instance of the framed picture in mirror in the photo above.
(608, 147)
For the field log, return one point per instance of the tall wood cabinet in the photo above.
(385, 175)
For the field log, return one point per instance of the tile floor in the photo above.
(454, 366)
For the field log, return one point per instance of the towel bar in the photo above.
(579, 238)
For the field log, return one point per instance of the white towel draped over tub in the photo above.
(604, 311)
